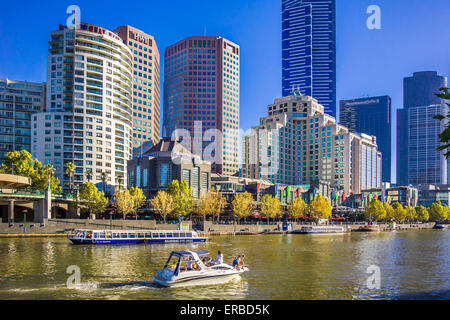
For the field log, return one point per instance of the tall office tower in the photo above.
(309, 50)
(201, 86)
(18, 100)
(146, 94)
(298, 143)
(418, 161)
(372, 116)
(89, 105)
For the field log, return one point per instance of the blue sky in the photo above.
(414, 37)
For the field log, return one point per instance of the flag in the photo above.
(315, 192)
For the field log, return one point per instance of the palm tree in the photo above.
(70, 169)
(119, 179)
(104, 176)
(88, 174)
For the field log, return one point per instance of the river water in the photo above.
(412, 264)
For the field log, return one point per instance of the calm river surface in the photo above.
(413, 264)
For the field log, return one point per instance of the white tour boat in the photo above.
(81, 236)
(321, 229)
(186, 268)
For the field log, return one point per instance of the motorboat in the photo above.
(81, 236)
(187, 268)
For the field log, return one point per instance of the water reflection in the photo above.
(413, 264)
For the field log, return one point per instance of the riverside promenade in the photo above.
(60, 227)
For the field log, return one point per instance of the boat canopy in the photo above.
(188, 253)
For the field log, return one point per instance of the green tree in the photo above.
(93, 199)
(242, 205)
(437, 212)
(182, 196)
(219, 203)
(163, 204)
(389, 212)
(138, 198)
(411, 214)
(124, 202)
(297, 208)
(399, 212)
(271, 207)
(205, 205)
(319, 208)
(422, 214)
(70, 169)
(376, 210)
(444, 136)
(21, 164)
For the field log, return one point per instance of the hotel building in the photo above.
(89, 105)
(146, 92)
(18, 101)
(201, 87)
(298, 143)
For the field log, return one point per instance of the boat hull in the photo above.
(199, 280)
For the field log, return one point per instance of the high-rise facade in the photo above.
(371, 116)
(89, 105)
(298, 143)
(146, 92)
(309, 50)
(418, 160)
(201, 88)
(18, 101)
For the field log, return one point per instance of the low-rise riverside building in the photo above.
(167, 161)
(229, 186)
(298, 143)
(430, 193)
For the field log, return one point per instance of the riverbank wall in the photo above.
(63, 226)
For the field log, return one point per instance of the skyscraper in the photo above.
(89, 105)
(309, 50)
(146, 94)
(371, 116)
(201, 87)
(418, 160)
(18, 101)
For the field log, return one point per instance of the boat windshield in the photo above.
(172, 262)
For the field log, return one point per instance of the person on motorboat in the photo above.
(189, 264)
(236, 261)
(241, 262)
(219, 259)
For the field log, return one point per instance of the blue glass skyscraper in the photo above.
(371, 116)
(418, 160)
(309, 50)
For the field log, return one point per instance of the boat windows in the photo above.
(123, 235)
(148, 235)
(108, 235)
(189, 234)
(176, 234)
(182, 235)
(155, 235)
(96, 235)
(140, 235)
(101, 235)
(162, 235)
(168, 235)
(132, 235)
(116, 235)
